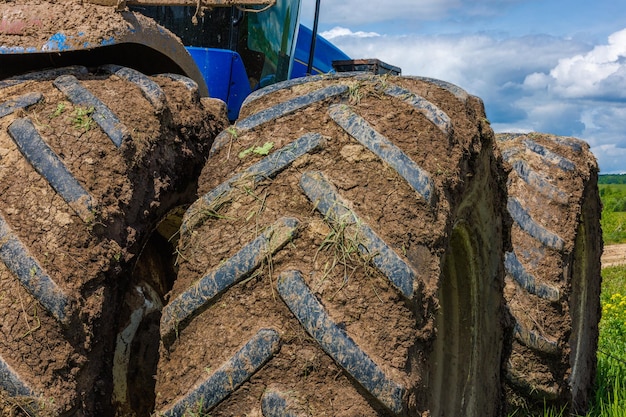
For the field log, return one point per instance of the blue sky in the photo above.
(539, 65)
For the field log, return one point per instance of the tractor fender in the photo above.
(53, 29)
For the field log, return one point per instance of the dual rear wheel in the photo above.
(349, 252)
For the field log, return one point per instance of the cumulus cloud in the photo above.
(605, 130)
(590, 91)
(338, 32)
(599, 73)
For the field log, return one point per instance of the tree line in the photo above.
(612, 179)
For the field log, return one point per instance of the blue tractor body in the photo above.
(325, 54)
(225, 73)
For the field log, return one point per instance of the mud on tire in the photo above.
(553, 272)
(345, 258)
(89, 162)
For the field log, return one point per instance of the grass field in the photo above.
(610, 400)
(613, 213)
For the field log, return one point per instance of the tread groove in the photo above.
(43, 75)
(23, 101)
(510, 153)
(328, 202)
(572, 143)
(337, 343)
(11, 383)
(534, 390)
(527, 281)
(187, 82)
(534, 340)
(562, 162)
(234, 372)
(267, 167)
(539, 183)
(527, 224)
(274, 404)
(454, 89)
(103, 116)
(433, 113)
(48, 164)
(255, 95)
(30, 274)
(279, 110)
(150, 90)
(227, 274)
(359, 129)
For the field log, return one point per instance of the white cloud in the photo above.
(605, 130)
(600, 72)
(338, 32)
(610, 158)
(590, 89)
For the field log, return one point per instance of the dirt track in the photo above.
(614, 255)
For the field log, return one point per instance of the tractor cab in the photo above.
(237, 49)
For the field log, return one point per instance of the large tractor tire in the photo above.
(345, 258)
(89, 162)
(553, 272)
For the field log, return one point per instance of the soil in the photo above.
(614, 255)
(82, 23)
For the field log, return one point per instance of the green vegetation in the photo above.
(613, 198)
(610, 399)
(612, 179)
(61, 107)
(258, 150)
(82, 119)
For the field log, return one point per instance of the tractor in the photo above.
(208, 209)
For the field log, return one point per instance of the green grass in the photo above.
(610, 399)
(613, 212)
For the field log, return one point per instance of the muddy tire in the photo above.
(345, 258)
(553, 272)
(89, 163)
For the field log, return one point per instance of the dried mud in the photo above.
(34, 24)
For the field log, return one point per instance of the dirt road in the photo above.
(614, 255)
